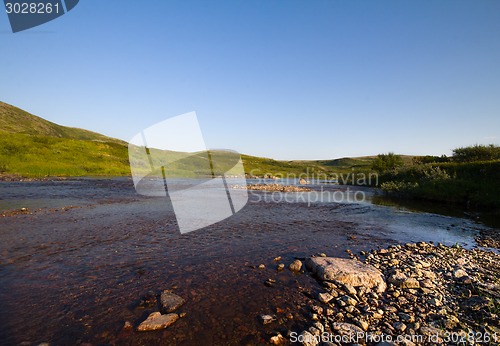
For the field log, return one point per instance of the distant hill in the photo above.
(34, 147)
(16, 120)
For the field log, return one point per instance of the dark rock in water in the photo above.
(250, 340)
(127, 326)
(157, 321)
(149, 300)
(170, 301)
(126, 330)
(270, 282)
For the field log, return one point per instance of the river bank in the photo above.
(412, 294)
(435, 294)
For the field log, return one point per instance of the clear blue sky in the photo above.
(281, 79)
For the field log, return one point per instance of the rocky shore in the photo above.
(413, 294)
(273, 188)
(19, 178)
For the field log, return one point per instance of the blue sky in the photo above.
(281, 79)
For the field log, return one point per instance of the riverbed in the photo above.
(76, 256)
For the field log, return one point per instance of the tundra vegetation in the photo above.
(471, 176)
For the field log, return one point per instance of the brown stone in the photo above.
(157, 321)
(170, 301)
(347, 271)
(347, 329)
(296, 266)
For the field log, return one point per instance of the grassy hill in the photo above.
(34, 147)
(41, 156)
(16, 120)
(318, 168)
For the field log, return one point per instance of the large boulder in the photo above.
(347, 271)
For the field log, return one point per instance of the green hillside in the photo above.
(16, 120)
(41, 156)
(34, 147)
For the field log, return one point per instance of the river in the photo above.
(76, 260)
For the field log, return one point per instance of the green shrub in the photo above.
(430, 159)
(477, 153)
(387, 162)
(403, 187)
(472, 184)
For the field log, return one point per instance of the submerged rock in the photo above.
(347, 271)
(157, 321)
(170, 301)
(148, 300)
(270, 282)
(295, 266)
(127, 326)
(266, 319)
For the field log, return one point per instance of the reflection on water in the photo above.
(74, 276)
(489, 218)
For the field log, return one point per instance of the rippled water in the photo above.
(73, 275)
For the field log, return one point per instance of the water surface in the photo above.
(73, 275)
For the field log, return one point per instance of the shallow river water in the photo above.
(74, 264)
